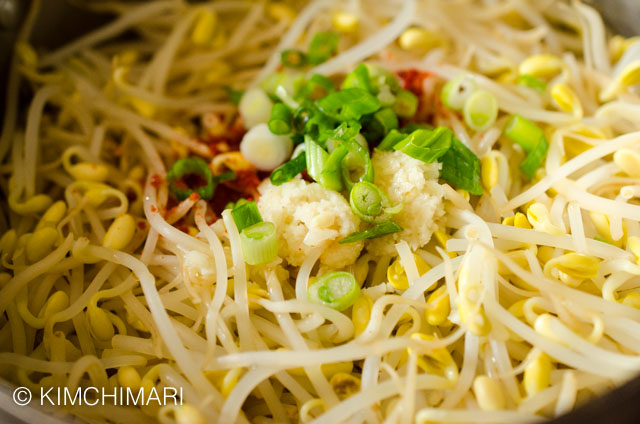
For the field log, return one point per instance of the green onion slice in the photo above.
(346, 131)
(412, 126)
(190, 166)
(532, 140)
(357, 162)
(293, 58)
(225, 176)
(461, 167)
(280, 121)
(317, 87)
(457, 91)
(480, 110)
(387, 119)
(371, 204)
(406, 104)
(310, 120)
(288, 170)
(376, 231)
(240, 202)
(379, 76)
(331, 175)
(425, 145)
(359, 78)
(535, 158)
(337, 290)
(322, 46)
(350, 103)
(523, 132)
(292, 82)
(316, 158)
(259, 243)
(246, 215)
(390, 140)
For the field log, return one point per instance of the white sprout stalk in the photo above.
(372, 44)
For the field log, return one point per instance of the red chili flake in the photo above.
(156, 180)
(153, 208)
(194, 197)
(412, 80)
(142, 225)
(246, 181)
(228, 142)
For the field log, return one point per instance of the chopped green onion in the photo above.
(308, 119)
(240, 202)
(535, 158)
(293, 58)
(373, 232)
(226, 176)
(331, 175)
(322, 46)
(317, 87)
(259, 243)
(523, 132)
(291, 81)
(406, 104)
(480, 110)
(390, 140)
(358, 78)
(387, 119)
(358, 159)
(337, 290)
(350, 103)
(316, 158)
(455, 92)
(461, 167)
(425, 145)
(380, 76)
(289, 169)
(412, 126)
(246, 215)
(280, 122)
(532, 82)
(283, 95)
(532, 140)
(372, 129)
(371, 204)
(346, 131)
(191, 166)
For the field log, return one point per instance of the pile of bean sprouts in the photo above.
(112, 110)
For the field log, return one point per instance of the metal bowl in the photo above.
(61, 21)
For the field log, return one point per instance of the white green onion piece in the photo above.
(457, 91)
(255, 107)
(480, 110)
(265, 150)
(259, 243)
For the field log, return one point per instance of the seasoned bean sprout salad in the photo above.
(320, 212)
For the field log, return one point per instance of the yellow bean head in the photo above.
(488, 393)
(41, 243)
(344, 384)
(120, 232)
